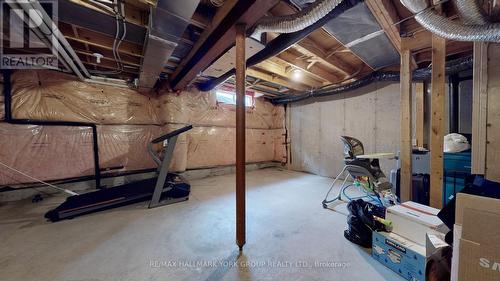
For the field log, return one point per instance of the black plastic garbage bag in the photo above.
(361, 222)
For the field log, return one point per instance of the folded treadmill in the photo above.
(163, 189)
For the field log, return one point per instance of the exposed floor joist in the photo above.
(308, 47)
(263, 75)
(309, 67)
(218, 38)
(277, 67)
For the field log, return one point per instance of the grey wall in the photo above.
(370, 114)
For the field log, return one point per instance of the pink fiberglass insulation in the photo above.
(45, 152)
(49, 95)
(215, 146)
(201, 109)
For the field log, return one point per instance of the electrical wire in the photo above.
(119, 10)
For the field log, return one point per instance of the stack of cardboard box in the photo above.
(404, 249)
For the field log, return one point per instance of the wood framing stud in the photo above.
(406, 126)
(240, 134)
(479, 107)
(437, 120)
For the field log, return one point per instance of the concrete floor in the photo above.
(289, 237)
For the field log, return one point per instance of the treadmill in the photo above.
(164, 189)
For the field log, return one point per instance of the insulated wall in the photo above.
(50, 95)
(126, 122)
(212, 142)
(370, 114)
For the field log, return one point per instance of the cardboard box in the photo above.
(403, 256)
(477, 238)
(413, 221)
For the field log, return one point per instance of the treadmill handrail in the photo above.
(173, 133)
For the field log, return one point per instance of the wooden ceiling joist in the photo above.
(309, 67)
(307, 47)
(105, 58)
(218, 37)
(126, 51)
(273, 78)
(283, 69)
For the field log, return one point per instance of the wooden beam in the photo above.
(419, 40)
(452, 48)
(240, 134)
(313, 69)
(479, 107)
(218, 38)
(89, 55)
(276, 66)
(419, 107)
(437, 120)
(406, 125)
(112, 65)
(309, 47)
(262, 75)
(124, 49)
(200, 21)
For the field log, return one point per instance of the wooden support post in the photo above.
(240, 134)
(406, 125)
(437, 120)
(479, 107)
(419, 108)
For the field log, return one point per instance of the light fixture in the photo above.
(98, 57)
(296, 74)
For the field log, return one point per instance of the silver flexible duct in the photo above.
(298, 21)
(453, 30)
(470, 13)
(458, 31)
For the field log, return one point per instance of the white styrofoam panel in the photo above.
(226, 61)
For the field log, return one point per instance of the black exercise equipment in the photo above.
(166, 188)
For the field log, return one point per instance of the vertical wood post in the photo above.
(437, 120)
(479, 107)
(240, 134)
(406, 125)
(419, 108)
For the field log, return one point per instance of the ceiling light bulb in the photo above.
(296, 74)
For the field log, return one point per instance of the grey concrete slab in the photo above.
(290, 237)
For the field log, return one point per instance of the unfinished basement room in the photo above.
(249, 140)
